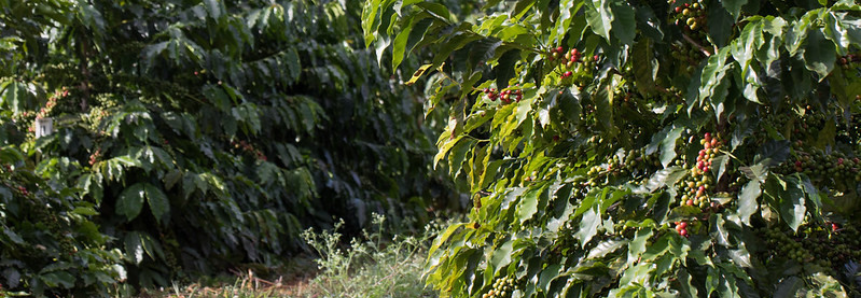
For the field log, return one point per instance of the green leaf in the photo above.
(606, 247)
(563, 21)
(792, 207)
(59, 279)
(158, 202)
(718, 166)
(442, 238)
(813, 195)
(399, 46)
(773, 153)
(588, 226)
(717, 230)
(721, 24)
(371, 20)
(548, 274)
(435, 8)
(843, 86)
(644, 66)
(131, 201)
(638, 245)
(505, 70)
(820, 54)
(134, 248)
(217, 97)
(213, 8)
(599, 17)
(733, 7)
(789, 287)
(501, 256)
(13, 236)
(294, 64)
(88, 211)
(668, 146)
(528, 205)
(747, 203)
(13, 277)
(688, 289)
(624, 22)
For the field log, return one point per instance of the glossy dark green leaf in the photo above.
(130, 201)
(60, 279)
(772, 153)
(548, 274)
(600, 17)
(588, 226)
(720, 23)
(718, 231)
(733, 7)
(501, 256)
(605, 248)
(719, 166)
(789, 287)
(820, 54)
(505, 69)
(668, 146)
(792, 204)
(528, 205)
(134, 248)
(813, 197)
(638, 245)
(624, 22)
(158, 202)
(747, 200)
(644, 67)
(11, 235)
(12, 277)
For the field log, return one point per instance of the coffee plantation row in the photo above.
(193, 137)
(679, 148)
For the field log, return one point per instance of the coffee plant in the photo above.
(623, 148)
(50, 242)
(207, 134)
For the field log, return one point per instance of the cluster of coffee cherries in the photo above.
(502, 288)
(52, 102)
(688, 54)
(505, 96)
(711, 146)
(690, 16)
(818, 245)
(834, 170)
(95, 156)
(802, 125)
(248, 148)
(682, 228)
(695, 186)
(571, 59)
(847, 61)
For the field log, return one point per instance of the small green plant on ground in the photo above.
(375, 265)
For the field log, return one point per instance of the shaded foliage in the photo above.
(211, 133)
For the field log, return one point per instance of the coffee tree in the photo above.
(201, 135)
(643, 148)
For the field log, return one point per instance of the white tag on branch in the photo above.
(44, 127)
